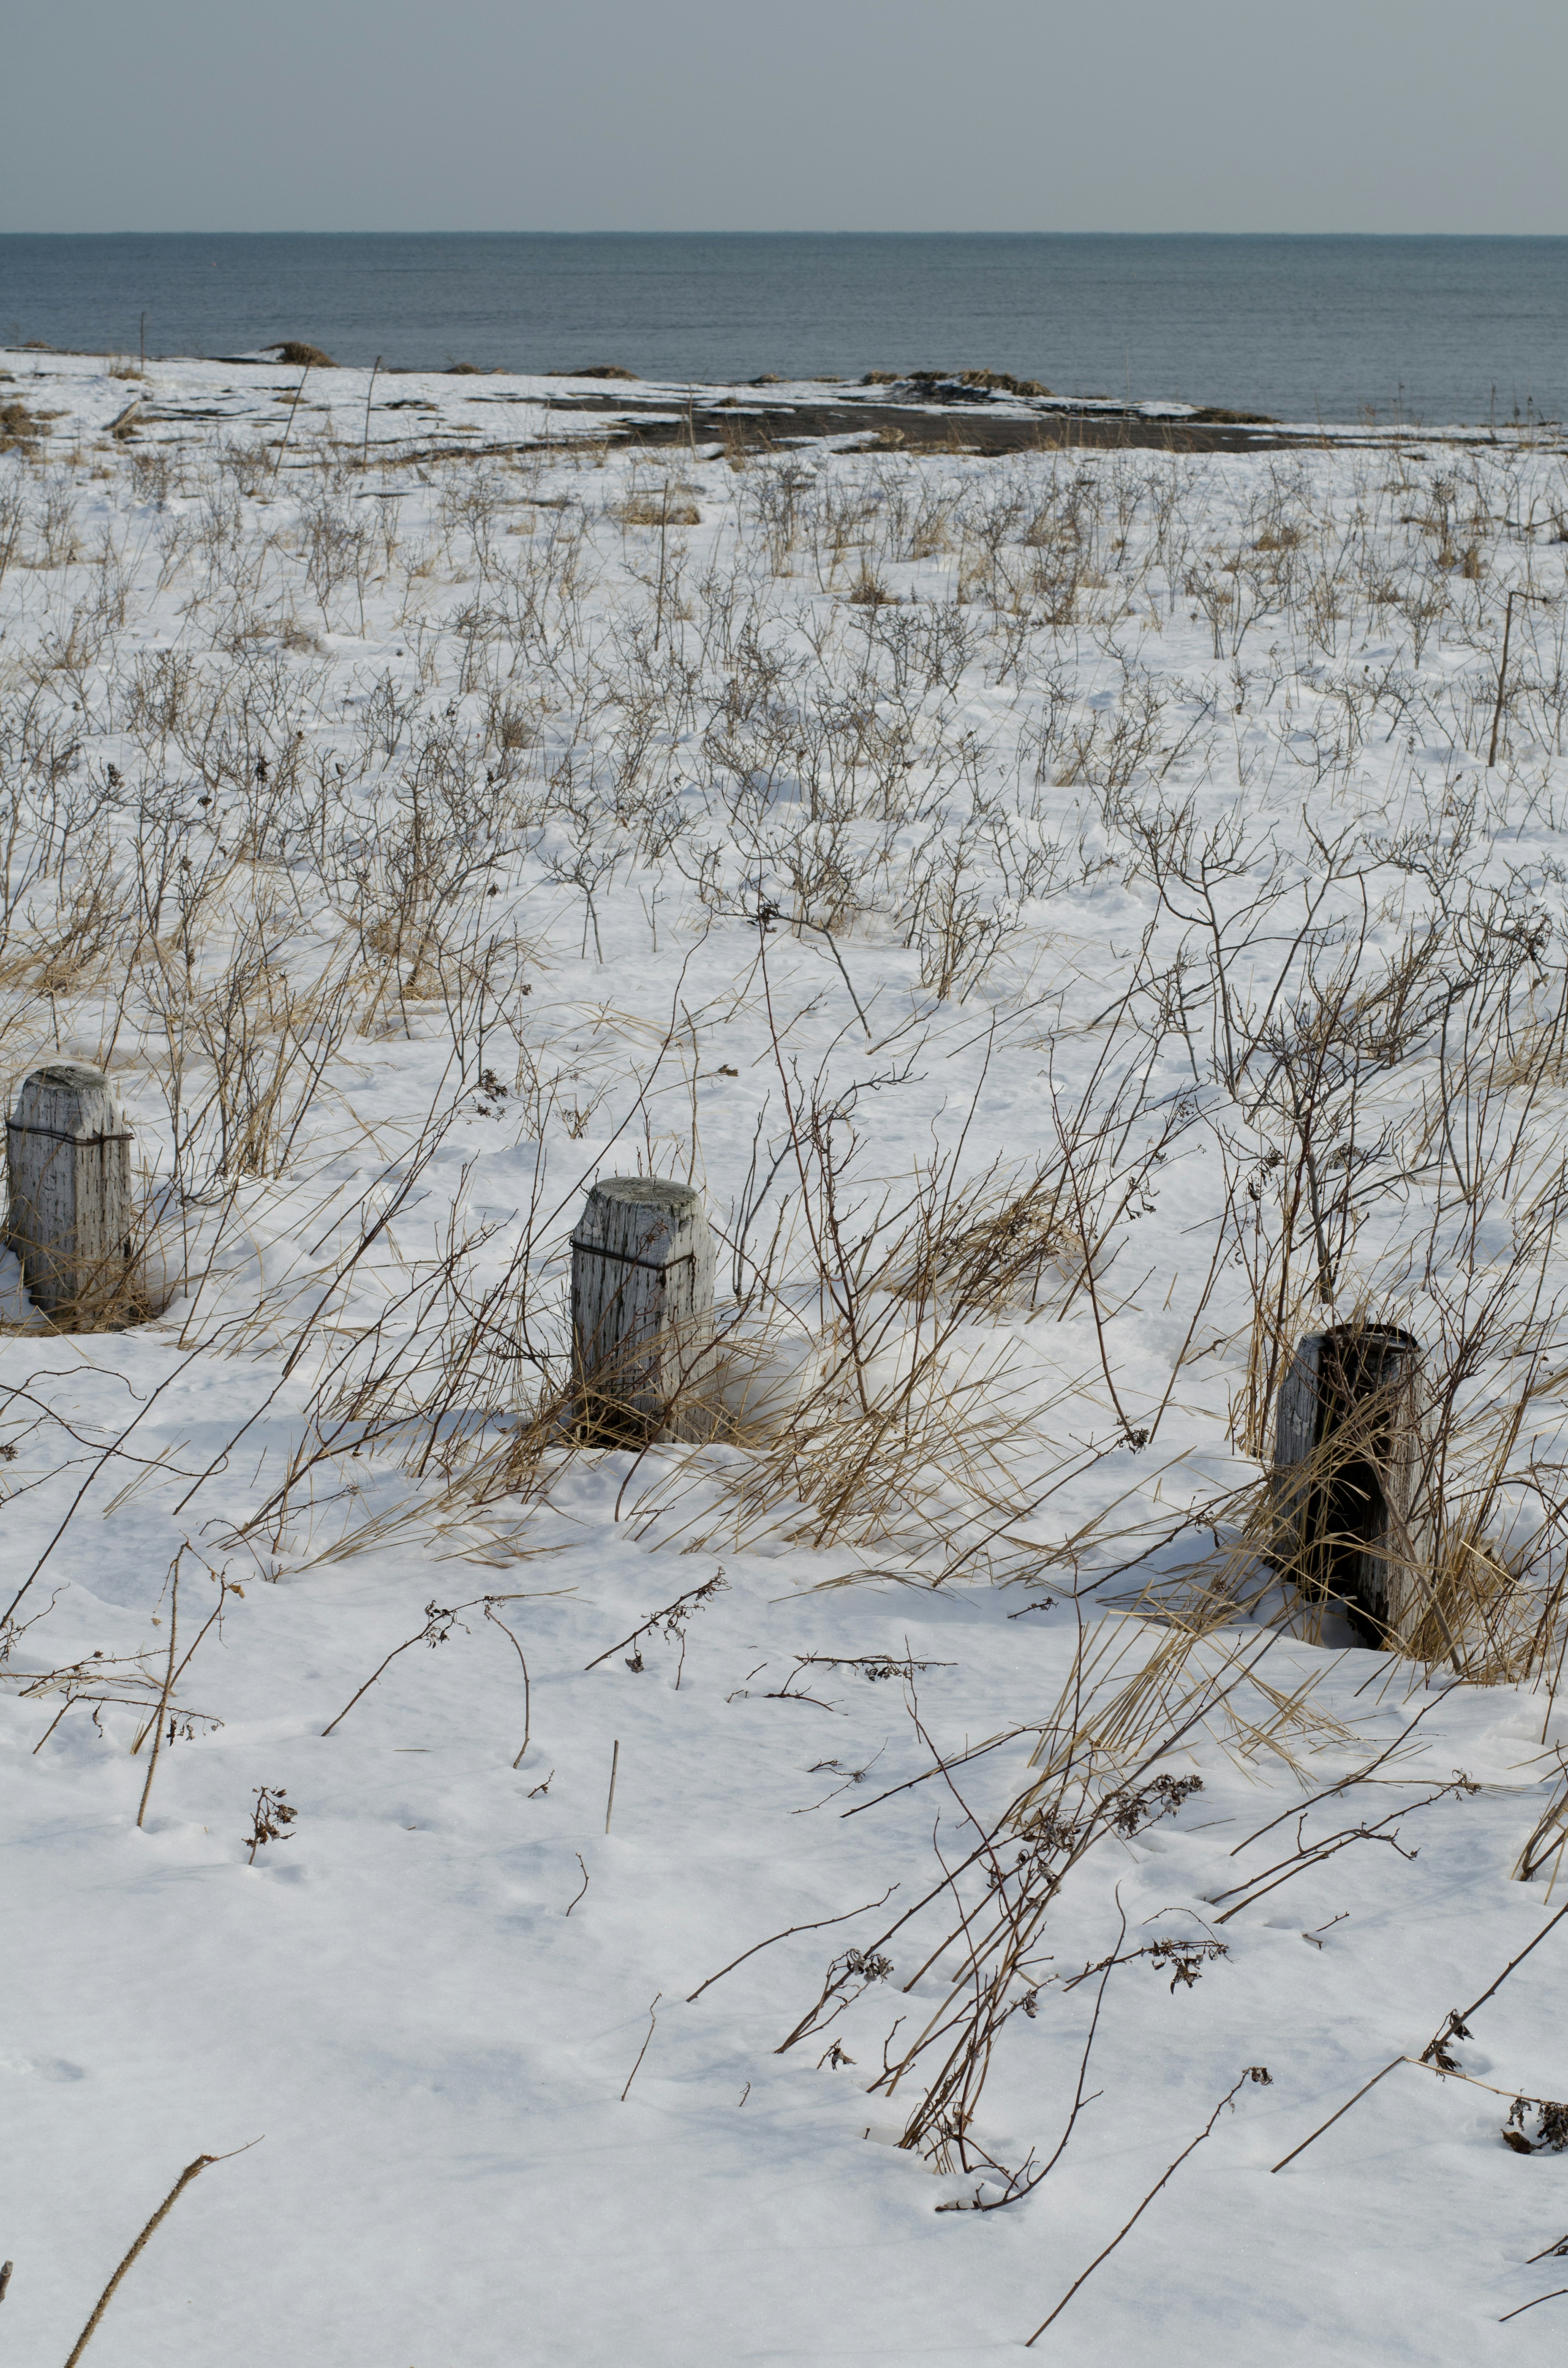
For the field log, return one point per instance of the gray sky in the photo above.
(1377, 115)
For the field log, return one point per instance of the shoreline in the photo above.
(976, 411)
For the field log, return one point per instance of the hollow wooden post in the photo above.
(68, 1151)
(643, 1312)
(1347, 1470)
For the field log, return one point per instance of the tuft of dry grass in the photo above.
(649, 510)
(19, 428)
(869, 591)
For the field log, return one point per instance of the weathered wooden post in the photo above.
(69, 1219)
(1348, 1453)
(643, 1312)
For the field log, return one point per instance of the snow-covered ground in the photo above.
(1060, 911)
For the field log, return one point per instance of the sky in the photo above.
(1354, 115)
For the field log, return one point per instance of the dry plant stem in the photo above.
(799, 921)
(821, 1924)
(374, 1675)
(578, 1856)
(214, 1615)
(643, 2050)
(108, 1454)
(1448, 2028)
(1079, 2100)
(168, 1688)
(1139, 1439)
(1249, 2074)
(963, 2073)
(54, 1722)
(192, 2171)
(1502, 669)
(961, 1760)
(982, 1997)
(433, 1633)
(431, 1134)
(614, 1766)
(1418, 2064)
(1344, 2108)
(369, 391)
(1362, 1776)
(832, 1269)
(1509, 1968)
(289, 429)
(527, 1690)
(668, 1613)
(1552, 2297)
(1288, 1869)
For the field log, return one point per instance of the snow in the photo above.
(422, 2006)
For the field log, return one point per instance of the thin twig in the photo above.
(433, 1612)
(1502, 678)
(168, 1688)
(818, 1926)
(1508, 2314)
(799, 921)
(1509, 1968)
(578, 1856)
(1259, 1887)
(54, 1722)
(670, 1610)
(213, 1614)
(614, 1765)
(288, 426)
(371, 1679)
(1442, 2072)
(192, 2171)
(527, 1692)
(365, 451)
(960, 1759)
(1253, 2072)
(643, 2050)
(1361, 1776)
(1079, 2101)
(1356, 2100)
(112, 1450)
(1452, 2029)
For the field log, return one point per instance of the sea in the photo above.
(1432, 330)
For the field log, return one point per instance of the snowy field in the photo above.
(1082, 918)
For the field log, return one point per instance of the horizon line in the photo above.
(1516, 236)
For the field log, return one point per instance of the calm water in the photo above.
(1439, 329)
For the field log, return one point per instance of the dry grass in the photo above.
(654, 509)
(1128, 1703)
(774, 731)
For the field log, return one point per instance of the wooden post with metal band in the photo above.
(69, 1217)
(642, 1313)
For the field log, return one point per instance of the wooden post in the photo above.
(68, 1150)
(1347, 1473)
(643, 1312)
